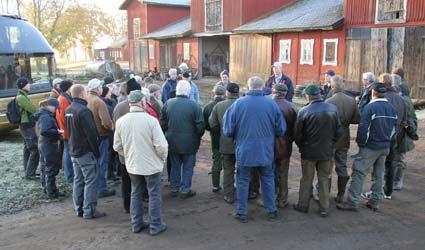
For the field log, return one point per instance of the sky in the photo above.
(109, 6)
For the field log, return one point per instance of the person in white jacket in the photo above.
(139, 137)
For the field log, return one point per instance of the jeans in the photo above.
(125, 187)
(103, 162)
(42, 164)
(243, 177)
(85, 185)
(229, 174)
(31, 154)
(154, 187)
(49, 153)
(390, 168)
(282, 172)
(181, 164)
(68, 169)
(366, 160)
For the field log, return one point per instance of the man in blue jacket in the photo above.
(254, 122)
(377, 126)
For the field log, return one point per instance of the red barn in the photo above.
(146, 16)
(307, 37)
(383, 34)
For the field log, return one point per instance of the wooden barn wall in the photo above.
(232, 14)
(250, 55)
(197, 14)
(414, 60)
(137, 10)
(194, 52)
(161, 16)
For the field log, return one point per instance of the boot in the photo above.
(342, 183)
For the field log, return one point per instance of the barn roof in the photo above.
(174, 3)
(299, 16)
(179, 29)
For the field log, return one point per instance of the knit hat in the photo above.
(330, 72)
(312, 89)
(52, 102)
(132, 84)
(94, 84)
(232, 88)
(281, 88)
(154, 88)
(219, 90)
(105, 91)
(135, 96)
(379, 87)
(108, 80)
(22, 82)
(56, 81)
(65, 85)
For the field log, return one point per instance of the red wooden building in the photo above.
(383, 34)
(146, 16)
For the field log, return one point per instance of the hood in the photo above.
(41, 113)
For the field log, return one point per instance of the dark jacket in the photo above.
(348, 113)
(227, 145)
(377, 125)
(47, 126)
(284, 80)
(316, 131)
(400, 106)
(365, 97)
(404, 87)
(167, 87)
(81, 127)
(283, 145)
(215, 133)
(183, 124)
(409, 132)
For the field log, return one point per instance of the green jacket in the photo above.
(215, 133)
(27, 107)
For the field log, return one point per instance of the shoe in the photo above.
(107, 193)
(229, 199)
(347, 207)
(216, 189)
(282, 204)
(342, 183)
(95, 216)
(187, 195)
(387, 197)
(373, 205)
(241, 218)
(397, 185)
(323, 213)
(366, 195)
(300, 209)
(138, 230)
(159, 230)
(80, 214)
(272, 216)
(174, 194)
(252, 195)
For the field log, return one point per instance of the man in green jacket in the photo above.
(27, 128)
(218, 93)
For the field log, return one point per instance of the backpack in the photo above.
(13, 112)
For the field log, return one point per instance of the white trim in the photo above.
(311, 41)
(151, 51)
(186, 51)
(390, 21)
(139, 31)
(289, 42)
(325, 41)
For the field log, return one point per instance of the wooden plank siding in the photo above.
(414, 60)
(167, 54)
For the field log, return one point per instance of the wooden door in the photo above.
(168, 55)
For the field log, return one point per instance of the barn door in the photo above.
(168, 55)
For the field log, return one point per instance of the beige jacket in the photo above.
(100, 113)
(139, 137)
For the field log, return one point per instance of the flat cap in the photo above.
(312, 89)
(154, 88)
(280, 87)
(94, 83)
(219, 90)
(135, 96)
(53, 102)
(379, 87)
(232, 88)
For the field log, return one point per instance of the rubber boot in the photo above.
(342, 183)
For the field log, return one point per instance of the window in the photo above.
(307, 46)
(391, 11)
(136, 28)
(151, 51)
(186, 51)
(213, 15)
(285, 51)
(330, 53)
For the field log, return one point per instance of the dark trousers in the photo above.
(31, 154)
(390, 168)
(49, 152)
(125, 187)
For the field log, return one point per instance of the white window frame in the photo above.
(302, 61)
(325, 41)
(136, 35)
(151, 51)
(281, 43)
(377, 21)
(186, 51)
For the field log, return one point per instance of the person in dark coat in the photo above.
(227, 146)
(279, 77)
(254, 122)
(183, 124)
(218, 93)
(327, 88)
(404, 86)
(169, 85)
(316, 131)
(366, 94)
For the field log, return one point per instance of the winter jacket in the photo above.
(409, 132)
(47, 126)
(215, 133)
(404, 87)
(377, 125)
(64, 101)
(254, 122)
(26, 106)
(138, 136)
(400, 106)
(194, 92)
(100, 113)
(215, 121)
(365, 97)
(283, 145)
(348, 113)
(81, 127)
(168, 86)
(316, 131)
(110, 104)
(183, 124)
(283, 80)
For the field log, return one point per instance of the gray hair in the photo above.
(183, 88)
(369, 76)
(337, 82)
(172, 72)
(396, 79)
(256, 82)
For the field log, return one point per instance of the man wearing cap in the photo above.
(56, 91)
(169, 85)
(49, 148)
(183, 124)
(218, 92)
(283, 145)
(84, 151)
(65, 100)
(348, 113)
(27, 128)
(226, 144)
(138, 136)
(155, 97)
(104, 127)
(279, 77)
(327, 88)
(254, 122)
(224, 75)
(378, 123)
(316, 131)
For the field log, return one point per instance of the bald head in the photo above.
(337, 83)
(78, 91)
(255, 83)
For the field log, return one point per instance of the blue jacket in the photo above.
(194, 92)
(169, 85)
(377, 125)
(254, 122)
(47, 126)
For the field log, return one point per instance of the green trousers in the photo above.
(229, 162)
(216, 167)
